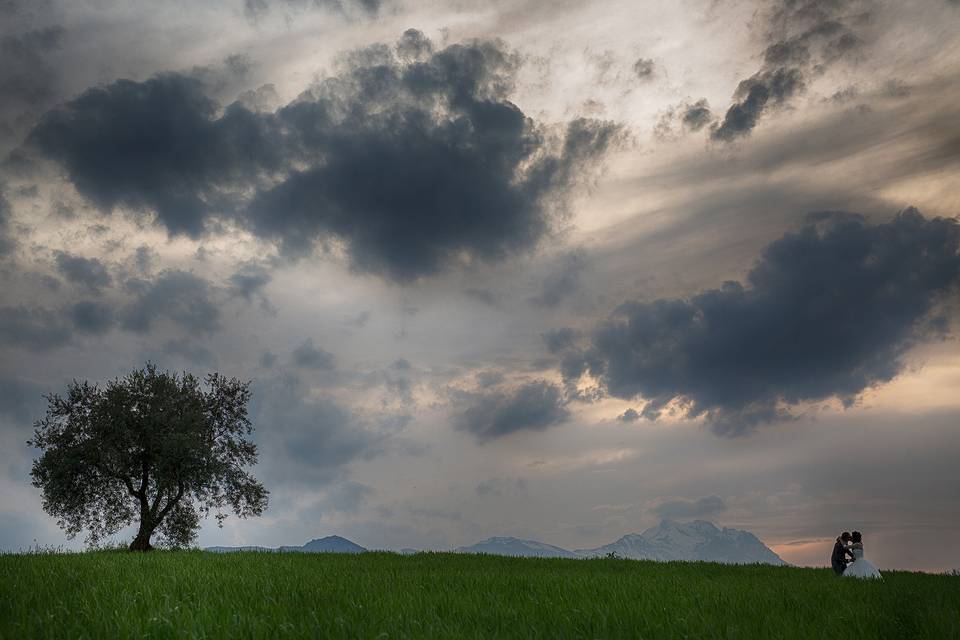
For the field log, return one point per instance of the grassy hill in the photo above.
(381, 595)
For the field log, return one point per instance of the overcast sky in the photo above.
(548, 269)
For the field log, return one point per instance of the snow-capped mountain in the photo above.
(330, 544)
(516, 547)
(697, 540)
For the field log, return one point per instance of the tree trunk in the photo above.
(142, 541)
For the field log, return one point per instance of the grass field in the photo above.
(380, 595)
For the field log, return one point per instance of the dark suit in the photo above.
(838, 559)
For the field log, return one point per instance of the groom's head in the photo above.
(845, 536)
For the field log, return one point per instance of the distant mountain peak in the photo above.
(694, 540)
(329, 544)
(508, 546)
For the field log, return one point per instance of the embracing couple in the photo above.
(857, 566)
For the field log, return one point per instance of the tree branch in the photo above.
(173, 501)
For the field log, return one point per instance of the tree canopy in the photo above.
(153, 447)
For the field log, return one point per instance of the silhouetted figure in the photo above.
(860, 567)
(838, 559)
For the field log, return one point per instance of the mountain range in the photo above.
(669, 540)
(330, 544)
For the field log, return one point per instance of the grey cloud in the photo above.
(413, 45)
(500, 486)
(309, 440)
(348, 497)
(225, 78)
(753, 96)
(360, 320)
(190, 351)
(249, 281)
(91, 316)
(155, 146)
(630, 415)
(413, 163)
(562, 281)
(87, 272)
(896, 89)
(486, 296)
(22, 400)
(488, 378)
(35, 329)
(558, 340)
(806, 35)
(424, 162)
(644, 68)
(179, 296)
(310, 357)
(7, 243)
(827, 311)
(683, 508)
(267, 359)
(256, 9)
(27, 79)
(143, 258)
(491, 414)
(697, 115)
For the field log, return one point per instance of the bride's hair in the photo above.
(856, 537)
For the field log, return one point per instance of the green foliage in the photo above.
(195, 594)
(152, 447)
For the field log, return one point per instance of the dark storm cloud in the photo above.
(682, 508)
(804, 35)
(20, 399)
(143, 258)
(753, 96)
(155, 146)
(87, 272)
(412, 159)
(27, 79)
(697, 115)
(558, 340)
(7, 243)
(178, 296)
(310, 357)
(491, 414)
(424, 162)
(827, 311)
(34, 329)
(93, 317)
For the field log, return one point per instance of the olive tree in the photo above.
(155, 448)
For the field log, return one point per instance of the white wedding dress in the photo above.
(861, 567)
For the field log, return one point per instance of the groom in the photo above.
(838, 559)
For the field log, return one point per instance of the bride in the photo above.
(860, 567)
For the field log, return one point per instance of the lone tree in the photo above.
(153, 447)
